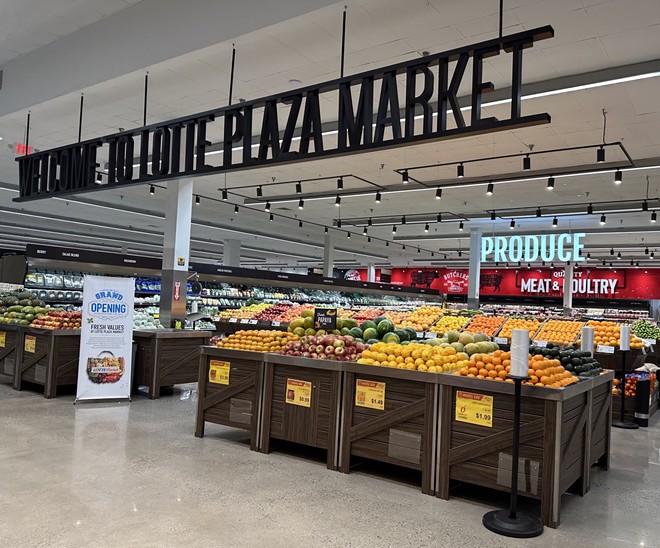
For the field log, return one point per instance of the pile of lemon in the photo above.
(415, 356)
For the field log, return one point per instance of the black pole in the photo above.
(501, 16)
(27, 135)
(231, 75)
(82, 102)
(343, 43)
(146, 94)
(513, 508)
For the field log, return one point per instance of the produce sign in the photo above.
(547, 247)
(3, 338)
(180, 148)
(325, 318)
(370, 394)
(298, 393)
(30, 344)
(474, 408)
(105, 360)
(219, 372)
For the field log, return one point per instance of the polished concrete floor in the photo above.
(135, 475)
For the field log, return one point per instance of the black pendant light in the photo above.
(551, 183)
(527, 163)
(460, 171)
(225, 197)
(197, 200)
(600, 155)
(618, 177)
(590, 210)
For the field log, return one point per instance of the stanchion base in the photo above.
(522, 526)
(624, 424)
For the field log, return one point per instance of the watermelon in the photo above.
(345, 331)
(368, 324)
(391, 338)
(379, 319)
(384, 327)
(356, 332)
(402, 334)
(373, 341)
(405, 343)
(370, 333)
(412, 332)
(349, 322)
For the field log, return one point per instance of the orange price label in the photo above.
(370, 394)
(219, 372)
(474, 408)
(298, 393)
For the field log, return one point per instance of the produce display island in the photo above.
(417, 420)
(11, 347)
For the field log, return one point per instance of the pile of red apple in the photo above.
(293, 313)
(367, 314)
(58, 319)
(341, 348)
(273, 312)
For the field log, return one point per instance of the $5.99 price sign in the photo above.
(298, 393)
(370, 394)
(474, 408)
(219, 372)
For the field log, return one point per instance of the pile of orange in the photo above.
(258, 341)
(607, 333)
(487, 325)
(559, 331)
(549, 373)
(531, 325)
(421, 319)
(492, 367)
(397, 316)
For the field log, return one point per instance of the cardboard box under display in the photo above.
(166, 357)
(48, 358)
(11, 346)
(230, 390)
(563, 431)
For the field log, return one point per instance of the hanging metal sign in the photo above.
(287, 127)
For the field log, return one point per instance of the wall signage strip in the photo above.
(286, 127)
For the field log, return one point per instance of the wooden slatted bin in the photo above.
(11, 346)
(301, 403)
(389, 415)
(475, 441)
(230, 390)
(48, 358)
(601, 419)
(166, 357)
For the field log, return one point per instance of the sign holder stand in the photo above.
(622, 422)
(511, 523)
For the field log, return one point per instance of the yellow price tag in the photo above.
(30, 344)
(3, 339)
(219, 372)
(298, 393)
(370, 394)
(474, 408)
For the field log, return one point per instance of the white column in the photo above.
(328, 255)
(474, 273)
(371, 273)
(176, 252)
(568, 289)
(231, 253)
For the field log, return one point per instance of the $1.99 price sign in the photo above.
(474, 408)
(298, 393)
(370, 394)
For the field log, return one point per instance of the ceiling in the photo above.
(595, 42)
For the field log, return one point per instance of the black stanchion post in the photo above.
(625, 347)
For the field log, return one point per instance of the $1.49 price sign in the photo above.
(370, 394)
(298, 393)
(474, 408)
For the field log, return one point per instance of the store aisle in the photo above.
(135, 475)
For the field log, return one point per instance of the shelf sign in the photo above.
(541, 344)
(181, 148)
(474, 408)
(30, 344)
(219, 372)
(3, 338)
(370, 394)
(604, 349)
(245, 320)
(275, 324)
(500, 340)
(232, 320)
(325, 318)
(253, 322)
(298, 393)
(546, 247)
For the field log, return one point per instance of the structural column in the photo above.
(474, 273)
(176, 252)
(231, 253)
(568, 289)
(371, 273)
(328, 256)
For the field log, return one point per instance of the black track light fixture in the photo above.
(403, 220)
(438, 218)
(338, 223)
(438, 193)
(538, 211)
(588, 256)
(299, 187)
(645, 206)
(387, 244)
(418, 251)
(348, 235)
(370, 222)
(301, 203)
(325, 230)
(555, 222)
(551, 183)
(99, 178)
(600, 155)
(493, 216)
(646, 251)
(654, 217)
(378, 196)
(512, 225)
(460, 253)
(225, 195)
(611, 251)
(489, 189)
(618, 255)
(426, 227)
(590, 209)
(236, 209)
(260, 192)
(527, 163)
(365, 231)
(404, 177)
(270, 218)
(340, 183)
(197, 200)
(300, 224)
(460, 171)
(338, 200)
(618, 177)
(369, 239)
(393, 229)
(632, 263)
(652, 255)
(461, 226)
(603, 219)
(152, 190)
(267, 208)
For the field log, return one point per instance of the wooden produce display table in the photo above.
(11, 346)
(635, 358)
(232, 327)
(166, 357)
(230, 390)
(301, 403)
(389, 415)
(48, 358)
(558, 434)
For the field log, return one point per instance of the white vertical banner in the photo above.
(106, 339)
